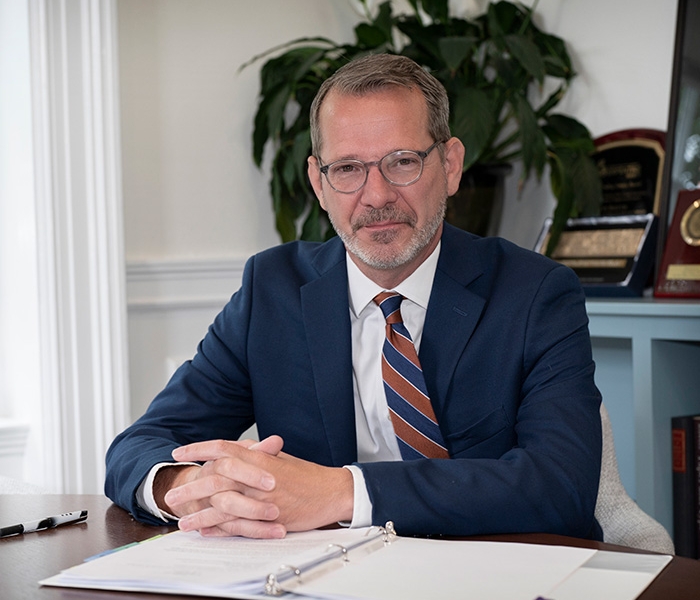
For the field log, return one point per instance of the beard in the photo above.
(379, 253)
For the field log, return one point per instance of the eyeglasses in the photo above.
(401, 168)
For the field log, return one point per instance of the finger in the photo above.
(270, 445)
(226, 474)
(246, 528)
(239, 507)
(199, 490)
(209, 450)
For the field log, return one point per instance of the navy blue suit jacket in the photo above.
(507, 361)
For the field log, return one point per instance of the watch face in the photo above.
(690, 224)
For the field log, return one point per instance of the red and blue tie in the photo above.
(407, 397)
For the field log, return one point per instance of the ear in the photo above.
(454, 161)
(315, 176)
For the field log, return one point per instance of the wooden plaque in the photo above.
(679, 273)
(630, 164)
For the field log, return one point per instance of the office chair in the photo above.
(622, 521)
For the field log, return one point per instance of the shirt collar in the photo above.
(416, 287)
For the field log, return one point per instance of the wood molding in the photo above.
(183, 284)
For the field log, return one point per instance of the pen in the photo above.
(48, 523)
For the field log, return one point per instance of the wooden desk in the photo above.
(26, 559)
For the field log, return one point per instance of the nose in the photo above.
(377, 191)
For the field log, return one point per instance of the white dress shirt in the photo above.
(376, 440)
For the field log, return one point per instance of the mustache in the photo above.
(381, 215)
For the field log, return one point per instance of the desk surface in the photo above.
(26, 559)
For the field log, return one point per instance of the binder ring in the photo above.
(388, 532)
(272, 586)
(343, 550)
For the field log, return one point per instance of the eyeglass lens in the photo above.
(400, 168)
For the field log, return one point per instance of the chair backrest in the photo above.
(621, 519)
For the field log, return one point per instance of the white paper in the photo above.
(405, 569)
(611, 575)
(189, 563)
(420, 569)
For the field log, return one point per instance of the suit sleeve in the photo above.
(545, 477)
(208, 397)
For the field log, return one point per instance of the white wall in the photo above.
(194, 201)
(195, 205)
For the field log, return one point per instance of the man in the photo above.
(503, 344)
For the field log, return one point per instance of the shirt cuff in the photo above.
(362, 507)
(144, 493)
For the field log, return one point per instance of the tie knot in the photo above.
(390, 303)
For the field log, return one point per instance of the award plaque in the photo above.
(630, 164)
(612, 256)
(679, 273)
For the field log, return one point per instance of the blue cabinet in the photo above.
(647, 355)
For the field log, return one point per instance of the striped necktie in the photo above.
(407, 397)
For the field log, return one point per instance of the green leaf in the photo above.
(567, 127)
(384, 20)
(588, 190)
(553, 99)
(425, 42)
(437, 10)
(284, 221)
(473, 121)
(285, 224)
(487, 64)
(576, 185)
(289, 67)
(527, 54)
(260, 133)
(567, 132)
(532, 141)
(563, 191)
(370, 36)
(502, 18)
(276, 110)
(455, 50)
(556, 56)
(301, 150)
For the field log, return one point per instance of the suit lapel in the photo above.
(453, 313)
(326, 317)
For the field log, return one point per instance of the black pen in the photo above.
(48, 523)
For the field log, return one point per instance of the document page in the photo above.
(188, 563)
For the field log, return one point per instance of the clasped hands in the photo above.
(252, 489)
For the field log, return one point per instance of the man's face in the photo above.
(385, 227)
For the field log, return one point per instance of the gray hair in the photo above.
(376, 72)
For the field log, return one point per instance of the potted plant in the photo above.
(494, 68)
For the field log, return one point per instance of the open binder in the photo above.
(372, 563)
(287, 578)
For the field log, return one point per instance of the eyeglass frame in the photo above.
(377, 163)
